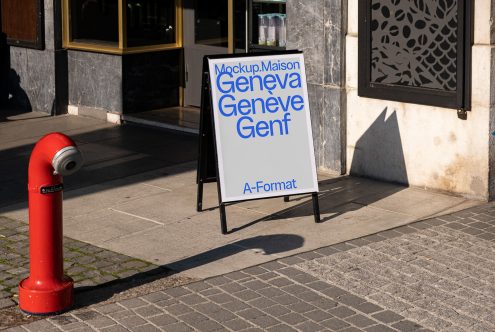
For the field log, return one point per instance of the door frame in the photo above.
(230, 42)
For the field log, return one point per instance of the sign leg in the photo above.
(316, 207)
(286, 199)
(223, 218)
(199, 206)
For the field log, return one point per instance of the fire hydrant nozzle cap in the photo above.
(67, 161)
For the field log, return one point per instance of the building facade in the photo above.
(400, 90)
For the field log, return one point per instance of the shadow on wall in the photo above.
(13, 99)
(378, 153)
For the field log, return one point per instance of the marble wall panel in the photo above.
(305, 32)
(317, 27)
(32, 79)
(95, 80)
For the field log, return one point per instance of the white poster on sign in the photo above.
(262, 126)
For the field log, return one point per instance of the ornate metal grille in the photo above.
(412, 49)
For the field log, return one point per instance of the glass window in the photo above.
(95, 21)
(150, 22)
(211, 23)
(121, 26)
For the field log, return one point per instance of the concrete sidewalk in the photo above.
(151, 215)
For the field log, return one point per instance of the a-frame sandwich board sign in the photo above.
(255, 135)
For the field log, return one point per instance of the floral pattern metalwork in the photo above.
(414, 43)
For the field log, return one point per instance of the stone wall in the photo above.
(38, 77)
(95, 83)
(317, 27)
(489, 41)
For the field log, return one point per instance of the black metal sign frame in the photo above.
(207, 170)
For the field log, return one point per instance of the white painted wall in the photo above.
(440, 151)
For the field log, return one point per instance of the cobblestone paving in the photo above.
(435, 275)
(86, 264)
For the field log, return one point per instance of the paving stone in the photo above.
(295, 289)
(120, 314)
(255, 270)
(291, 260)
(178, 309)
(148, 311)
(145, 328)
(222, 316)
(351, 300)
(155, 297)
(267, 276)
(101, 322)
(310, 326)
(406, 326)
(318, 315)
(309, 255)
(131, 321)
(264, 321)
(305, 278)
(256, 285)
(237, 275)
(277, 310)
(178, 327)
(341, 312)
(232, 287)
(237, 305)
(218, 281)
(280, 282)
(334, 324)
(63, 320)
(333, 292)
(247, 295)
(368, 308)
(210, 291)
(250, 313)
(162, 320)
(40, 325)
(206, 325)
(5, 303)
(292, 318)
(76, 326)
(262, 303)
(379, 328)
(177, 292)
(133, 303)
(193, 318)
(281, 328)
(360, 321)
(272, 266)
(222, 298)
(237, 324)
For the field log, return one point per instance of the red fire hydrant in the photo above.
(47, 290)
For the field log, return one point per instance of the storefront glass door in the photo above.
(206, 31)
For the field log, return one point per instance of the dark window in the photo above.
(416, 51)
(150, 22)
(22, 22)
(95, 21)
(211, 25)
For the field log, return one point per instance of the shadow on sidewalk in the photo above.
(268, 244)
